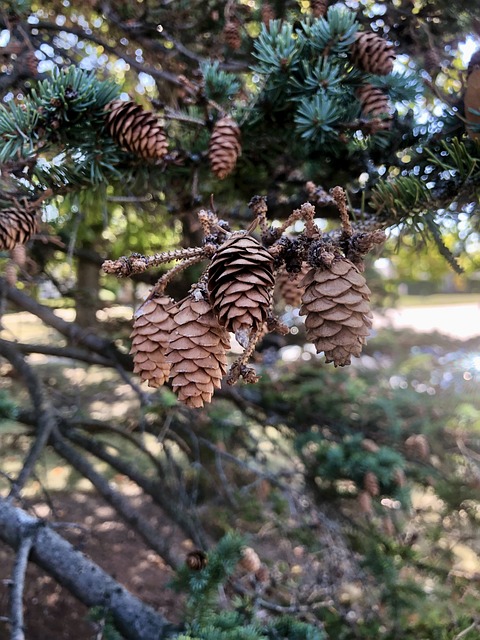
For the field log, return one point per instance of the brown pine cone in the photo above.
(150, 336)
(240, 282)
(136, 130)
(224, 147)
(336, 303)
(196, 560)
(370, 483)
(17, 225)
(267, 13)
(250, 560)
(417, 446)
(197, 352)
(372, 53)
(370, 445)
(375, 104)
(290, 285)
(472, 97)
(319, 7)
(19, 255)
(365, 502)
(231, 35)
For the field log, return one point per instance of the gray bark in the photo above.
(83, 578)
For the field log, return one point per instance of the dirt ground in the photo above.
(51, 613)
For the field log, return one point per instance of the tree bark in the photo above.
(83, 578)
(87, 293)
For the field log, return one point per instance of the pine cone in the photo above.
(17, 226)
(472, 96)
(375, 104)
(231, 35)
(197, 353)
(19, 255)
(10, 273)
(372, 53)
(240, 281)
(136, 130)
(319, 7)
(365, 502)
(224, 147)
(399, 477)
(196, 560)
(150, 336)
(417, 446)
(290, 285)
(370, 483)
(250, 560)
(267, 13)
(336, 303)
(370, 445)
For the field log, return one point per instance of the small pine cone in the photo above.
(417, 446)
(319, 7)
(262, 574)
(372, 53)
(365, 502)
(17, 226)
(31, 63)
(388, 526)
(399, 477)
(136, 130)
(197, 352)
(150, 336)
(370, 483)
(19, 255)
(196, 560)
(231, 35)
(289, 285)
(240, 282)
(472, 96)
(370, 445)
(432, 61)
(267, 13)
(375, 104)
(10, 273)
(250, 560)
(224, 147)
(336, 303)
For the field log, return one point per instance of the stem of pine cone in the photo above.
(161, 284)
(340, 198)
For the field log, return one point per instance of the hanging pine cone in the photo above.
(336, 303)
(267, 13)
(375, 104)
(417, 446)
(10, 273)
(372, 53)
(319, 7)
(231, 35)
(365, 502)
(19, 255)
(370, 445)
(370, 483)
(290, 285)
(399, 477)
(196, 560)
(197, 352)
(472, 97)
(224, 147)
(136, 130)
(150, 336)
(250, 560)
(17, 225)
(240, 281)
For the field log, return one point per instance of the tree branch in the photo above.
(70, 330)
(45, 420)
(84, 579)
(18, 582)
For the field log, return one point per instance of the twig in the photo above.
(45, 420)
(466, 631)
(18, 582)
(137, 263)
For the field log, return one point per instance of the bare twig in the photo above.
(45, 420)
(18, 582)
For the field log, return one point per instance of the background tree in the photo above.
(118, 126)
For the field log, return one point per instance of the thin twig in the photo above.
(18, 583)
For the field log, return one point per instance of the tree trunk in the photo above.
(84, 579)
(87, 293)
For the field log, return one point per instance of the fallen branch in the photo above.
(83, 578)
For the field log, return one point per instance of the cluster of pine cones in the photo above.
(187, 341)
(141, 133)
